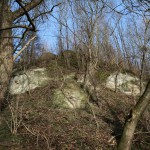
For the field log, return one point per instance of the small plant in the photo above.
(102, 75)
(15, 118)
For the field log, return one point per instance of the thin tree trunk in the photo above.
(6, 49)
(142, 70)
(133, 118)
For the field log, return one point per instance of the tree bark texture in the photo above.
(133, 118)
(6, 49)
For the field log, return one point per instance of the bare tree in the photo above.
(88, 15)
(8, 21)
(140, 8)
(133, 118)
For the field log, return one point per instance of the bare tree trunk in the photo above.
(142, 71)
(133, 118)
(6, 49)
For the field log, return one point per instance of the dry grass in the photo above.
(94, 128)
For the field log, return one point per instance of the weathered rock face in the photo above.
(125, 83)
(70, 95)
(28, 80)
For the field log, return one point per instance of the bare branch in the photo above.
(15, 57)
(47, 12)
(29, 6)
(17, 26)
(27, 14)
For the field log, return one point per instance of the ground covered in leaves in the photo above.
(31, 122)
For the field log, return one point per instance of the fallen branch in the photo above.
(26, 45)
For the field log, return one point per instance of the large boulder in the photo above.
(28, 80)
(70, 95)
(125, 83)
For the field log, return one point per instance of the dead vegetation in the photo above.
(31, 122)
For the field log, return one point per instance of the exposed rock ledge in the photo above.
(125, 83)
(28, 80)
(70, 94)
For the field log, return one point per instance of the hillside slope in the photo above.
(30, 121)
